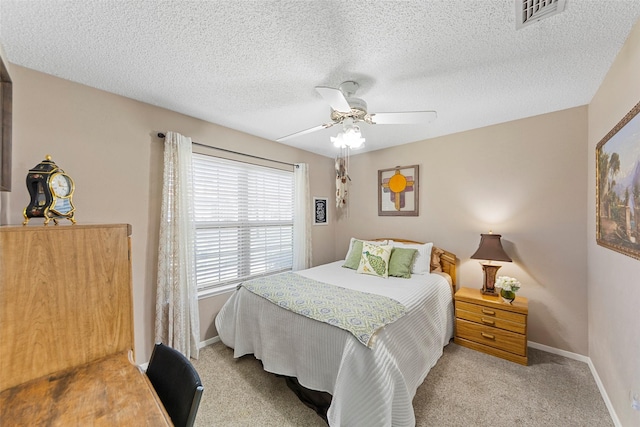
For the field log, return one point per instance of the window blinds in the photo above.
(243, 220)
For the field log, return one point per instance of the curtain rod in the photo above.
(161, 135)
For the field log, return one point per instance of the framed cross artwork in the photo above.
(398, 193)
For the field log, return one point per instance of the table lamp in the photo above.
(490, 249)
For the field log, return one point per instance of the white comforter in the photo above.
(370, 387)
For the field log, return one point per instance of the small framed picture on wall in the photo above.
(320, 211)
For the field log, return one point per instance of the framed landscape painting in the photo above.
(398, 191)
(618, 186)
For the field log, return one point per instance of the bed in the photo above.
(368, 382)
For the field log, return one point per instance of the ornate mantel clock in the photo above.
(50, 190)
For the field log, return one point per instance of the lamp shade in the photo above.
(491, 249)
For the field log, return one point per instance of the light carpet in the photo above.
(465, 388)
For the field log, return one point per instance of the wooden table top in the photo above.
(108, 392)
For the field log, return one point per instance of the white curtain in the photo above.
(177, 322)
(301, 218)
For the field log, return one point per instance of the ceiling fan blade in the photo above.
(403, 118)
(303, 132)
(335, 98)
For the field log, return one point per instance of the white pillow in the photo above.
(375, 259)
(353, 239)
(422, 261)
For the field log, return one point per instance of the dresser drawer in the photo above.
(490, 320)
(491, 336)
(490, 312)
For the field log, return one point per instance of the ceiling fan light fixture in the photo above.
(353, 137)
(338, 141)
(347, 110)
(350, 137)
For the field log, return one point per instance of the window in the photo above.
(243, 221)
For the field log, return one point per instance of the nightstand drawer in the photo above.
(489, 312)
(490, 320)
(494, 337)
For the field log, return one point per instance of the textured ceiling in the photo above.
(253, 65)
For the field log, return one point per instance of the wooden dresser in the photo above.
(488, 324)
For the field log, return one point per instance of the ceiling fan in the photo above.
(348, 110)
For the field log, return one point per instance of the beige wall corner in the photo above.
(614, 288)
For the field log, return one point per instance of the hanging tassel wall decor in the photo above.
(342, 178)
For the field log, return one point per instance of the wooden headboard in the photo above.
(447, 259)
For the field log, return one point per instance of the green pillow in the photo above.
(400, 262)
(353, 260)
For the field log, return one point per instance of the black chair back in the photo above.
(177, 383)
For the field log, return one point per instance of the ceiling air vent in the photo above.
(530, 11)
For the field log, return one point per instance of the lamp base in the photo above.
(488, 285)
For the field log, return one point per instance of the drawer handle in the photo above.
(488, 321)
(489, 336)
(485, 311)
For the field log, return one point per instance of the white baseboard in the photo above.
(594, 373)
(553, 350)
(209, 341)
(605, 396)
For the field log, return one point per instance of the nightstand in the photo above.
(490, 325)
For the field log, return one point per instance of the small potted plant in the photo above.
(508, 288)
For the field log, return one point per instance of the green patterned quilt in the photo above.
(359, 313)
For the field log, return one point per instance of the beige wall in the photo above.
(613, 278)
(526, 180)
(108, 144)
